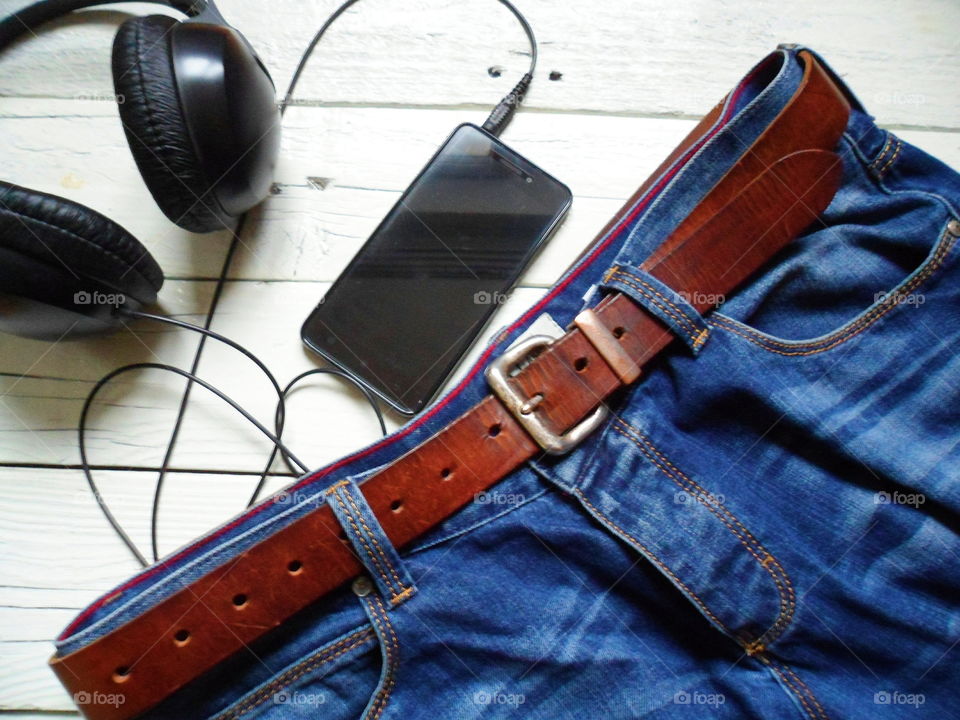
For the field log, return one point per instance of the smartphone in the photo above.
(424, 285)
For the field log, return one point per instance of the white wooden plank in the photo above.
(616, 57)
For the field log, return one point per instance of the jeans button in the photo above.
(362, 586)
(953, 227)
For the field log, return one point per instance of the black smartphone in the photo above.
(420, 290)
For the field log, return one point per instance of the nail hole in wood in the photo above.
(181, 637)
(396, 505)
(121, 674)
(294, 567)
(580, 364)
(618, 332)
(494, 430)
(239, 600)
(446, 473)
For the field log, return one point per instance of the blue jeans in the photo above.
(767, 529)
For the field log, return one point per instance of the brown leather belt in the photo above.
(779, 185)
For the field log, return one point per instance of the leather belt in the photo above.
(779, 185)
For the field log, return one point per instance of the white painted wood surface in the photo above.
(635, 75)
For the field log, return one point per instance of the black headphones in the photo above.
(199, 111)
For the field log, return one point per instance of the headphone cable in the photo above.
(499, 117)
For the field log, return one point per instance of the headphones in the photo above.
(199, 112)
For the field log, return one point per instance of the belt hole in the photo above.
(618, 332)
(494, 430)
(181, 637)
(580, 364)
(396, 505)
(239, 600)
(294, 567)
(121, 674)
(446, 473)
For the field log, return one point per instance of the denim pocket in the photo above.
(882, 241)
(907, 294)
(349, 677)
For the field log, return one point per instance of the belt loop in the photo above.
(370, 543)
(672, 308)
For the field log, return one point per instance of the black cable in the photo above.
(281, 409)
(82, 427)
(185, 399)
(280, 406)
(500, 116)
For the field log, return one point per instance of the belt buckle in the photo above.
(523, 409)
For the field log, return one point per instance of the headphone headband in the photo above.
(32, 16)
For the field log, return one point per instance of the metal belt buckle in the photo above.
(524, 409)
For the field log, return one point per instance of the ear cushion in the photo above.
(155, 128)
(65, 234)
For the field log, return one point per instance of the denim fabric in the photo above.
(767, 528)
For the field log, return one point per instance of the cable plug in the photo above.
(502, 114)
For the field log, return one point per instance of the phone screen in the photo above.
(416, 295)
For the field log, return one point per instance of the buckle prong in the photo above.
(522, 408)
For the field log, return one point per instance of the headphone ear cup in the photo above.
(72, 237)
(156, 131)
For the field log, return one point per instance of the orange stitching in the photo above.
(796, 689)
(701, 338)
(807, 690)
(784, 587)
(654, 559)
(333, 488)
(376, 544)
(883, 152)
(363, 542)
(896, 154)
(681, 320)
(312, 663)
(401, 596)
(390, 646)
(682, 316)
(843, 334)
